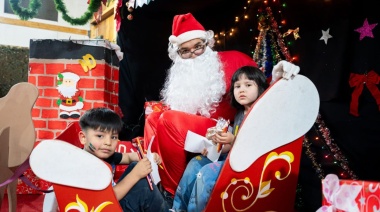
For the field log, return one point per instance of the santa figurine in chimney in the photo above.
(70, 100)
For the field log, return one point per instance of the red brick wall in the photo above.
(99, 87)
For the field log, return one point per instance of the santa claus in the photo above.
(195, 91)
(70, 100)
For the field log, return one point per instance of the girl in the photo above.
(198, 180)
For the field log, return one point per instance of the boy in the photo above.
(99, 135)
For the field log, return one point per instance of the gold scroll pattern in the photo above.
(230, 192)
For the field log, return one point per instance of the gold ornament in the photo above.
(294, 31)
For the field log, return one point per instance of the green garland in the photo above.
(25, 13)
(93, 7)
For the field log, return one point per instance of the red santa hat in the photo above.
(186, 27)
(70, 75)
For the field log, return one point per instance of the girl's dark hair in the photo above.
(252, 73)
(102, 119)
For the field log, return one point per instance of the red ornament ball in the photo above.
(130, 17)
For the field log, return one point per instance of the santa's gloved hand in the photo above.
(285, 70)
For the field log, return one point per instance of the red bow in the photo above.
(358, 81)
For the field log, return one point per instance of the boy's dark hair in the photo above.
(102, 119)
(252, 73)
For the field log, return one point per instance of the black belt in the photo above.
(65, 101)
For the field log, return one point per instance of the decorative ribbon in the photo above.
(339, 197)
(117, 14)
(294, 31)
(19, 174)
(358, 81)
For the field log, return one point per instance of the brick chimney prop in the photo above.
(90, 67)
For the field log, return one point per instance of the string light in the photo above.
(221, 40)
(245, 17)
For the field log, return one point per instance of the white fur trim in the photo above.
(70, 75)
(189, 35)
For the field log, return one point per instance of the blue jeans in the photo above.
(196, 184)
(141, 198)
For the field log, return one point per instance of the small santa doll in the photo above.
(70, 100)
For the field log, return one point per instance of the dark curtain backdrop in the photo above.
(144, 42)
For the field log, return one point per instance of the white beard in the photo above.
(67, 92)
(195, 85)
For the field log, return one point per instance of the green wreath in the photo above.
(25, 13)
(93, 7)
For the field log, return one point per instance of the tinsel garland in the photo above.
(257, 55)
(264, 52)
(92, 7)
(340, 159)
(334, 148)
(267, 52)
(276, 57)
(311, 155)
(25, 13)
(280, 41)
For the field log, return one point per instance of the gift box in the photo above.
(349, 195)
(154, 106)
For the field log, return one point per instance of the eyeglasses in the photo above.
(198, 50)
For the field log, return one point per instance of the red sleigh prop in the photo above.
(261, 171)
(66, 194)
(80, 180)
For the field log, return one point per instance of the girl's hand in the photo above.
(142, 168)
(223, 138)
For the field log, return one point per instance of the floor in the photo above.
(25, 203)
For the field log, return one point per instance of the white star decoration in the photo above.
(325, 35)
(362, 200)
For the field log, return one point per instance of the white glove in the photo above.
(285, 70)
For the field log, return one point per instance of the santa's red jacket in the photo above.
(69, 102)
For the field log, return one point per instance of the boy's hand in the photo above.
(142, 168)
(157, 158)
